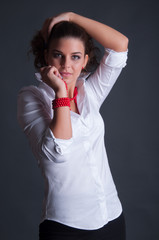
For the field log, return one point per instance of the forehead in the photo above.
(67, 44)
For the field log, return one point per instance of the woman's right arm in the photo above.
(34, 116)
(61, 122)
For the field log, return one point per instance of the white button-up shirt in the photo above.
(79, 189)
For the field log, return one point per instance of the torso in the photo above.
(74, 107)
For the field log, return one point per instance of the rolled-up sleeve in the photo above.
(102, 81)
(34, 117)
(55, 148)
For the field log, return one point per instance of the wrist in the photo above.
(62, 93)
(61, 102)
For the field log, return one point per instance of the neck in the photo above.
(71, 91)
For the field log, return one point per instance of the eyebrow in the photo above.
(55, 50)
(76, 53)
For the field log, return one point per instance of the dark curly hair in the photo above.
(60, 30)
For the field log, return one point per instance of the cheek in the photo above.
(78, 66)
(53, 62)
(78, 69)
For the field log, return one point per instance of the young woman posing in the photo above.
(65, 129)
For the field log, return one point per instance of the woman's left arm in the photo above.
(105, 35)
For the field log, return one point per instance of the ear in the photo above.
(85, 60)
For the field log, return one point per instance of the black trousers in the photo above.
(51, 230)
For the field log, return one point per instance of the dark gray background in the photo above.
(130, 113)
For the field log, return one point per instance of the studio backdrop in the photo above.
(130, 113)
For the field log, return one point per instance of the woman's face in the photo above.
(68, 56)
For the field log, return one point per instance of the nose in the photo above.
(65, 62)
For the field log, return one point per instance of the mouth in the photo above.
(65, 74)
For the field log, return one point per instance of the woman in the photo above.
(65, 129)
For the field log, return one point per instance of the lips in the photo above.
(65, 74)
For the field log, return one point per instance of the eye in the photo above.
(57, 55)
(75, 57)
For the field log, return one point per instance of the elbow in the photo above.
(124, 44)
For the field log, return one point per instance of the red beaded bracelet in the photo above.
(61, 102)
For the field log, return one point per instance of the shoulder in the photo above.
(30, 92)
(29, 98)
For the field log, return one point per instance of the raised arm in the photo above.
(105, 35)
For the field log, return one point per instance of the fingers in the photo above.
(50, 22)
(50, 26)
(46, 71)
(49, 73)
(51, 76)
(44, 30)
(47, 27)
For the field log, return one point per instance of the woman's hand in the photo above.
(52, 78)
(50, 22)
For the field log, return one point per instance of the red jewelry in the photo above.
(75, 91)
(75, 96)
(61, 102)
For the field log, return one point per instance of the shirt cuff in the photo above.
(115, 59)
(61, 146)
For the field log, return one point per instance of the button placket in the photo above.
(99, 187)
